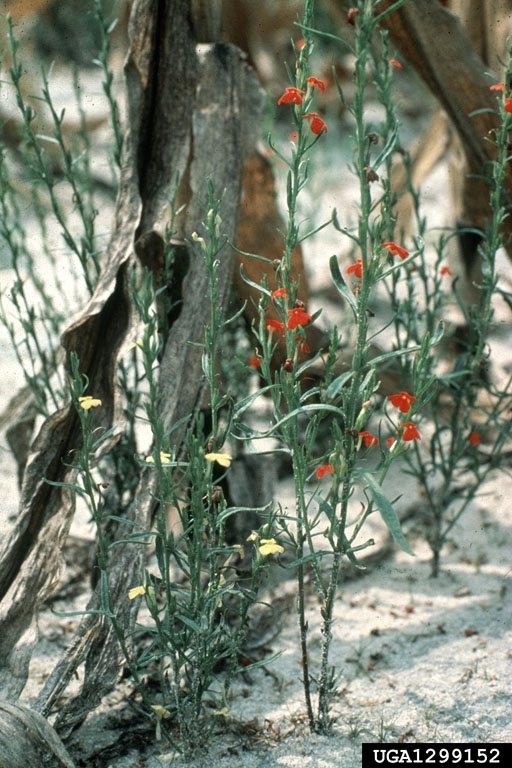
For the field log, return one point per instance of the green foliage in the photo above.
(340, 434)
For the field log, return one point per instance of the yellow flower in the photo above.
(135, 344)
(136, 591)
(254, 536)
(239, 550)
(197, 238)
(161, 712)
(165, 458)
(270, 547)
(88, 401)
(224, 459)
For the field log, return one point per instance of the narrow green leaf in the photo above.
(341, 285)
(242, 405)
(338, 383)
(159, 553)
(229, 511)
(320, 407)
(393, 354)
(105, 594)
(438, 334)
(250, 282)
(388, 513)
(262, 663)
(349, 553)
(189, 623)
(389, 147)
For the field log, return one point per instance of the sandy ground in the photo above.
(420, 659)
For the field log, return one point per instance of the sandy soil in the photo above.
(420, 659)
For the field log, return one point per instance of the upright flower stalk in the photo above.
(192, 633)
(351, 402)
(309, 128)
(361, 382)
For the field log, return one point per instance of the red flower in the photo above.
(402, 401)
(303, 345)
(396, 63)
(300, 44)
(323, 470)
(396, 250)
(351, 14)
(316, 124)
(315, 82)
(275, 325)
(355, 269)
(497, 87)
(369, 440)
(507, 105)
(298, 316)
(279, 293)
(291, 96)
(474, 438)
(444, 270)
(254, 361)
(410, 431)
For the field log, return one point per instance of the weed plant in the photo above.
(434, 407)
(196, 603)
(465, 406)
(198, 608)
(45, 173)
(324, 529)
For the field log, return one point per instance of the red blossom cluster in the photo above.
(507, 101)
(369, 440)
(356, 269)
(323, 470)
(293, 95)
(394, 249)
(316, 124)
(403, 401)
(410, 431)
(315, 82)
(275, 325)
(298, 316)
